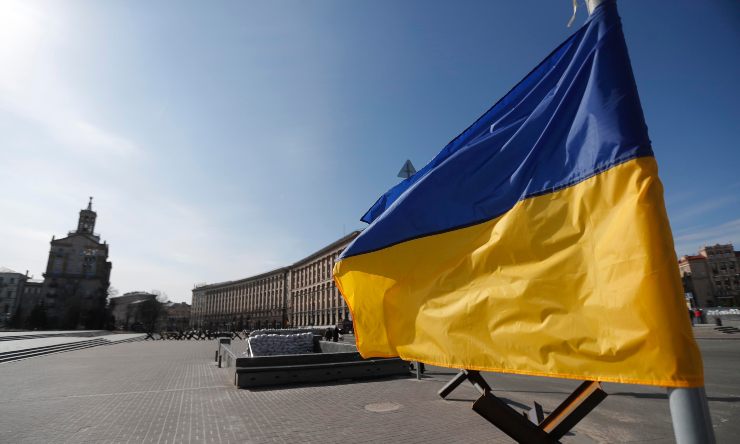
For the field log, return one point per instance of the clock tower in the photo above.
(76, 280)
(86, 223)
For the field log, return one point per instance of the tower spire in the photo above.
(86, 223)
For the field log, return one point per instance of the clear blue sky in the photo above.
(226, 138)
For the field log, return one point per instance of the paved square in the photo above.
(172, 392)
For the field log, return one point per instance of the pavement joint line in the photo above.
(95, 395)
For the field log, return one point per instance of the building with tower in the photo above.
(75, 287)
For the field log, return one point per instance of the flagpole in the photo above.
(690, 415)
(692, 423)
(592, 4)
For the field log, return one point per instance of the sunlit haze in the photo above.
(223, 139)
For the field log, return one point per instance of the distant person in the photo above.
(335, 334)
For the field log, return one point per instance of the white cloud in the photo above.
(703, 207)
(689, 241)
(87, 139)
(32, 87)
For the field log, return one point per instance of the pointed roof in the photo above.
(8, 270)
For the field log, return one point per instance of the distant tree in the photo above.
(37, 317)
(161, 296)
(151, 311)
(15, 319)
(110, 320)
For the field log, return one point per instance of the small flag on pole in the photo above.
(536, 242)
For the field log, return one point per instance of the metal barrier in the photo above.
(224, 355)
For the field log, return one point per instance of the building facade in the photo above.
(712, 277)
(299, 295)
(250, 303)
(125, 309)
(314, 299)
(12, 286)
(76, 280)
(177, 316)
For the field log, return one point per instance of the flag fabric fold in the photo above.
(536, 242)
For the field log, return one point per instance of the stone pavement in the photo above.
(172, 392)
(709, 331)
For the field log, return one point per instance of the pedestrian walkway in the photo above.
(711, 331)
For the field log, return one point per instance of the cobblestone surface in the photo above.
(172, 392)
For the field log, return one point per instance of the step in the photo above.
(51, 352)
(48, 348)
(19, 337)
(10, 355)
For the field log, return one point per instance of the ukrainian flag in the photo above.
(536, 242)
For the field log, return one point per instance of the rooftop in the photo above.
(697, 257)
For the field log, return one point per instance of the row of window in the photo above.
(323, 317)
(723, 266)
(314, 272)
(231, 300)
(311, 289)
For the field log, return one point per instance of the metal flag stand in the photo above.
(530, 427)
(689, 412)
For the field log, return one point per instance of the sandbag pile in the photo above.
(280, 344)
(279, 331)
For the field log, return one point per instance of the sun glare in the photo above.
(20, 29)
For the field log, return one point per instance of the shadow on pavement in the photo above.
(322, 384)
(665, 396)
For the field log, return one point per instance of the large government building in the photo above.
(299, 295)
(250, 303)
